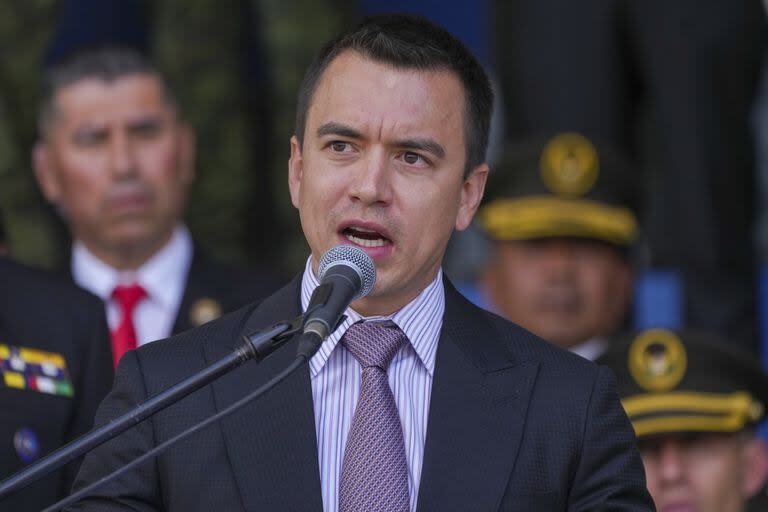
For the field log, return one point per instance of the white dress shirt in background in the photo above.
(163, 277)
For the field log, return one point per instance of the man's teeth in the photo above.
(364, 242)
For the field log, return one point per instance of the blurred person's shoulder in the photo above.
(165, 362)
(215, 287)
(24, 284)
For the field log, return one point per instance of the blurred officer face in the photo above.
(565, 290)
(117, 163)
(703, 472)
(381, 167)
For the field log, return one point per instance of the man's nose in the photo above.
(558, 256)
(671, 462)
(122, 154)
(371, 183)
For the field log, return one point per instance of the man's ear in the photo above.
(471, 194)
(45, 172)
(756, 466)
(295, 171)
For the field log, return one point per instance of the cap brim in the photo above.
(662, 413)
(533, 217)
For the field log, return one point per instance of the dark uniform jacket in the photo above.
(214, 288)
(515, 424)
(55, 367)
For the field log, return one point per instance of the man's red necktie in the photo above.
(124, 336)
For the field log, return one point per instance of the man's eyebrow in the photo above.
(342, 130)
(417, 143)
(146, 117)
(428, 145)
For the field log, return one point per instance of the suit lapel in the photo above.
(480, 395)
(271, 442)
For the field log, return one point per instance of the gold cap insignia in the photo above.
(569, 164)
(203, 311)
(657, 360)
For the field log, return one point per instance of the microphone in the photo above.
(346, 274)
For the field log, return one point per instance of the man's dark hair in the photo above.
(411, 42)
(105, 63)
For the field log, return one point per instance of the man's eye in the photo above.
(147, 130)
(89, 138)
(413, 158)
(340, 147)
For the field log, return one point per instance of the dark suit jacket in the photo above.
(46, 313)
(515, 425)
(227, 286)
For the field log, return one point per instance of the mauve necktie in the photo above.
(124, 336)
(374, 476)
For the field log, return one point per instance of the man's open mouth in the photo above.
(365, 237)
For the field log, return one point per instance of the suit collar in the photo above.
(480, 396)
(282, 305)
(467, 327)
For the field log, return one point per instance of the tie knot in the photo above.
(128, 296)
(374, 343)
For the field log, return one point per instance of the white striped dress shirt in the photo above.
(335, 377)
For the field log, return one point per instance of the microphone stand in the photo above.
(255, 346)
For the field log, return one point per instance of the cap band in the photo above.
(543, 216)
(691, 412)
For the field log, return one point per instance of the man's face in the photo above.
(117, 163)
(703, 472)
(381, 167)
(564, 290)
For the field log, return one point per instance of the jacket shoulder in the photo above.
(29, 285)
(233, 284)
(524, 346)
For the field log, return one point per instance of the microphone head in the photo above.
(354, 258)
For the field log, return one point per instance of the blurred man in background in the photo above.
(561, 220)
(117, 161)
(694, 403)
(55, 367)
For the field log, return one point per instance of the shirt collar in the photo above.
(162, 276)
(591, 349)
(420, 320)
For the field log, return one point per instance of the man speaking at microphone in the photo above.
(418, 400)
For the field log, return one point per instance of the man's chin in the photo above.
(137, 238)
